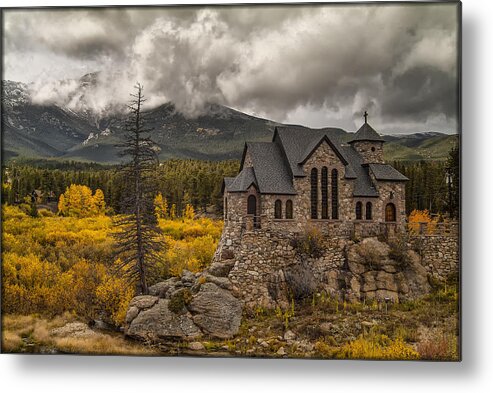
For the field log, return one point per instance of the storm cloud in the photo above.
(312, 65)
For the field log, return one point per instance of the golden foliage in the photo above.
(172, 212)
(189, 212)
(189, 244)
(421, 216)
(78, 201)
(160, 206)
(377, 347)
(58, 264)
(114, 295)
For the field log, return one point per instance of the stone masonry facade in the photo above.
(261, 259)
(261, 240)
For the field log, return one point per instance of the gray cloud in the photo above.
(315, 65)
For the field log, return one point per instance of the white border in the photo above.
(118, 374)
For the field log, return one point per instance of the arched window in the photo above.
(359, 208)
(252, 205)
(289, 209)
(335, 192)
(325, 196)
(278, 209)
(368, 211)
(314, 193)
(390, 212)
(252, 210)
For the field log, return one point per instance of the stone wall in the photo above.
(263, 256)
(439, 254)
(354, 267)
(390, 192)
(372, 152)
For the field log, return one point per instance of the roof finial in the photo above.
(366, 117)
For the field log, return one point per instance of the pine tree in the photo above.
(453, 165)
(137, 245)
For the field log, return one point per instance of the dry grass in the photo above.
(10, 341)
(102, 344)
(33, 334)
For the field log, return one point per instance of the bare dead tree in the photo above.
(137, 244)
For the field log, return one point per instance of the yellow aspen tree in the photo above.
(98, 202)
(160, 206)
(189, 212)
(62, 207)
(172, 212)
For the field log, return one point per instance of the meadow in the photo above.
(61, 281)
(54, 264)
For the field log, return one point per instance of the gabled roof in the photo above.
(243, 181)
(366, 133)
(227, 181)
(276, 163)
(271, 171)
(299, 142)
(386, 172)
(311, 149)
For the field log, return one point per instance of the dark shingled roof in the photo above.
(275, 163)
(386, 172)
(271, 171)
(298, 142)
(363, 186)
(243, 181)
(227, 183)
(366, 133)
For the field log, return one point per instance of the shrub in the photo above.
(300, 281)
(421, 216)
(377, 347)
(113, 296)
(325, 350)
(45, 213)
(398, 251)
(309, 243)
(371, 252)
(439, 348)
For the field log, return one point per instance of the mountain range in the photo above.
(52, 131)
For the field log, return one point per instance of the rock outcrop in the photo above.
(186, 308)
(269, 271)
(377, 270)
(216, 311)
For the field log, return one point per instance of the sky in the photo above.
(318, 66)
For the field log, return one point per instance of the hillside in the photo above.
(51, 131)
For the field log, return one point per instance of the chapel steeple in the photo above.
(368, 143)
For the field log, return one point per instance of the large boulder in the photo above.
(216, 311)
(161, 288)
(221, 269)
(384, 271)
(221, 282)
(414, 280)
(158, 322)
(185, 309)
(187, 278)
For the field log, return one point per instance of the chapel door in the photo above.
(390, 215)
